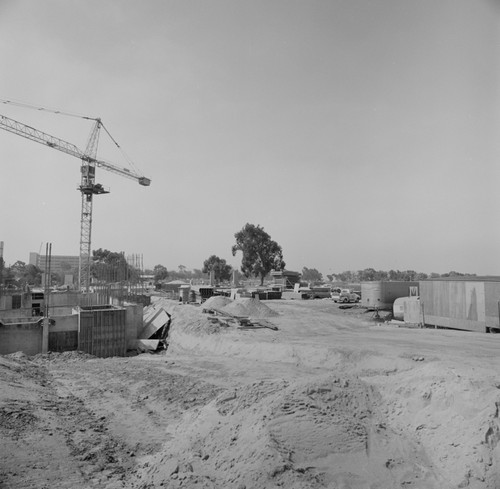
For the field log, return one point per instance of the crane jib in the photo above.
(88, 187)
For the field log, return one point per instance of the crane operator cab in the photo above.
(88, 187)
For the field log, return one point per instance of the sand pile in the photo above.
(191, 320)
(275, 433)
(455, 418)
(249, 307)
(216, 302)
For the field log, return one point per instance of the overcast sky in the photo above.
(358, 133)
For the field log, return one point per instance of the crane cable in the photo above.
(70, 114)
(45, 109)
(129, 160)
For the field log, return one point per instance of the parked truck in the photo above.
(345, 296)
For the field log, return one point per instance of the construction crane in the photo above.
(88, 187)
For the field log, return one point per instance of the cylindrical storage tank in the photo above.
(407, 309)
(371, 295)
(398, 309)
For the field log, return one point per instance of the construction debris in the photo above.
(246, 313)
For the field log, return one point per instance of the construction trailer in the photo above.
(382, 294)
(466, 303)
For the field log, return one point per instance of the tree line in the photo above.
(371, 275)
(311, 275)
(260, 255)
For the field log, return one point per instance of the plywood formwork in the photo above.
(60, 341)
(469, 304)
(102, 331)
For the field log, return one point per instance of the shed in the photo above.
(173, 288)
(382, 294)
(467, 303)
(285, 279)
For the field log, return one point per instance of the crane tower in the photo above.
(88, 187)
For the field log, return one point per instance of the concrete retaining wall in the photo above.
(104, 333)
(20, 336)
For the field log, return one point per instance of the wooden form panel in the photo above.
(102, 332)
(63, 341)
(492, 299)
(455, 304)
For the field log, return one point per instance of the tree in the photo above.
(160, 273)
(311, 275)
(197, 273)
(23, 274)
(346, 277)
(9, 279)
(111, 266)
(260, 253)
(222, 271)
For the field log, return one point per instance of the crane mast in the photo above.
(88, 187)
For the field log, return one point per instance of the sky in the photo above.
(358, 134)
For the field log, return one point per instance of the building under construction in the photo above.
(37, 322)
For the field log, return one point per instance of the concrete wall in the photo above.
(134, 322)
(60, 303)
(63, 333)
(20, 336)
(105, 333)
(6, 302)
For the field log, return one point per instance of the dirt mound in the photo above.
(249, 307)
(216, 302)
(190, 319)
(270, 434)
(18, 355)
(65, 356)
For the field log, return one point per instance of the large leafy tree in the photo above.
(222, 271)
(160, 272)
(311, 275)
(112, 266)
(260, 253)
(23, 274)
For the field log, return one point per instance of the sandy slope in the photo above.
(330, 399)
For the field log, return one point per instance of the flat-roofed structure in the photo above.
(64, 265)
(467, 303)
(285, 279)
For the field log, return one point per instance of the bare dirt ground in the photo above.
(329, 400)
